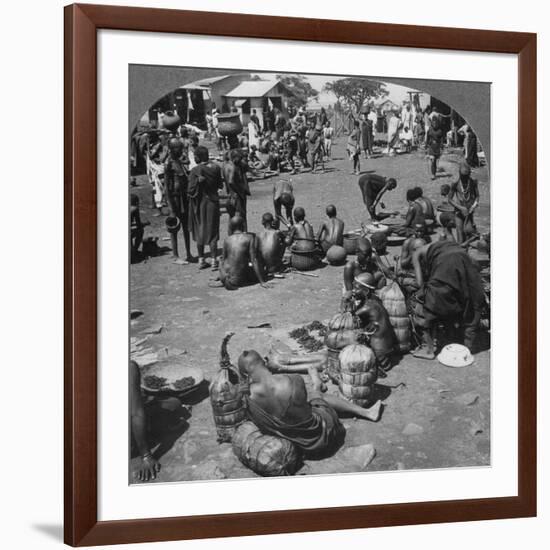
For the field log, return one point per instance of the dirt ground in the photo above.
(439, 418)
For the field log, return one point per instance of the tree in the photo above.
(300, 88)
(352, 93)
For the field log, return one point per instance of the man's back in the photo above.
(284, 396)
(236, 250)
(334, 231)
(271, 248)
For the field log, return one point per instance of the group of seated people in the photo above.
(460, 200)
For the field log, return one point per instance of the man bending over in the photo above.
(373, 187)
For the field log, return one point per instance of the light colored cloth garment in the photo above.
(393, 127)
(373, 117)
(154, 171)
(407, 119)
(253, 135)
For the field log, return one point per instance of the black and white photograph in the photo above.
(310, 276)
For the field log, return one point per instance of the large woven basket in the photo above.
(304, 260)
(350, 243)
(333, 365)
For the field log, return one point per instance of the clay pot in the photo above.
(171, 121)
(229, 124)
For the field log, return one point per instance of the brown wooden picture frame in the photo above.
(82, 22)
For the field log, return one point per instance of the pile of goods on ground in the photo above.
(266, 455)
(394, 302)
(358, 374)
(343, 330)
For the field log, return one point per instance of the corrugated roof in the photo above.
(204, 83)
(253, 88)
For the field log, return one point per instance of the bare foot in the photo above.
(318, 385)
(423, 353)
(373, 413)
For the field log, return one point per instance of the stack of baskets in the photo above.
(358, 374)
(396, 306)
(342, 331)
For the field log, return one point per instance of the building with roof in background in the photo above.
(260, 94)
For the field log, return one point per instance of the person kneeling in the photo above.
(240, 264)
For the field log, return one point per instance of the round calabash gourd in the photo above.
(336, 255)
(343, 321)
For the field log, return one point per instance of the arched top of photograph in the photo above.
(337, 225)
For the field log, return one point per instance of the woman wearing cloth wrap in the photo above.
(464, 197)
(204, 205)
(375, 321)
(279, 405)
(450, 291)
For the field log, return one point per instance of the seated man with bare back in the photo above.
(301, 236)
(241, 264)
(331, 231)
(279, 405)
(271, 245)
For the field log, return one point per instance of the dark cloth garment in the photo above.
(204, 206)
(370, 186)
(453, 287)
(471, 150)
(322, 431)
(434, 139)
(366, 133)
(175, 183)
(354, 139)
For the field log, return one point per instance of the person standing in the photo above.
(253, 133)
(176, 171)
(328, 133)
(205, 180)
(237, 187)
(372, 116)
(434, 138)
(366, 134)
(394, 123)
(353, 148)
